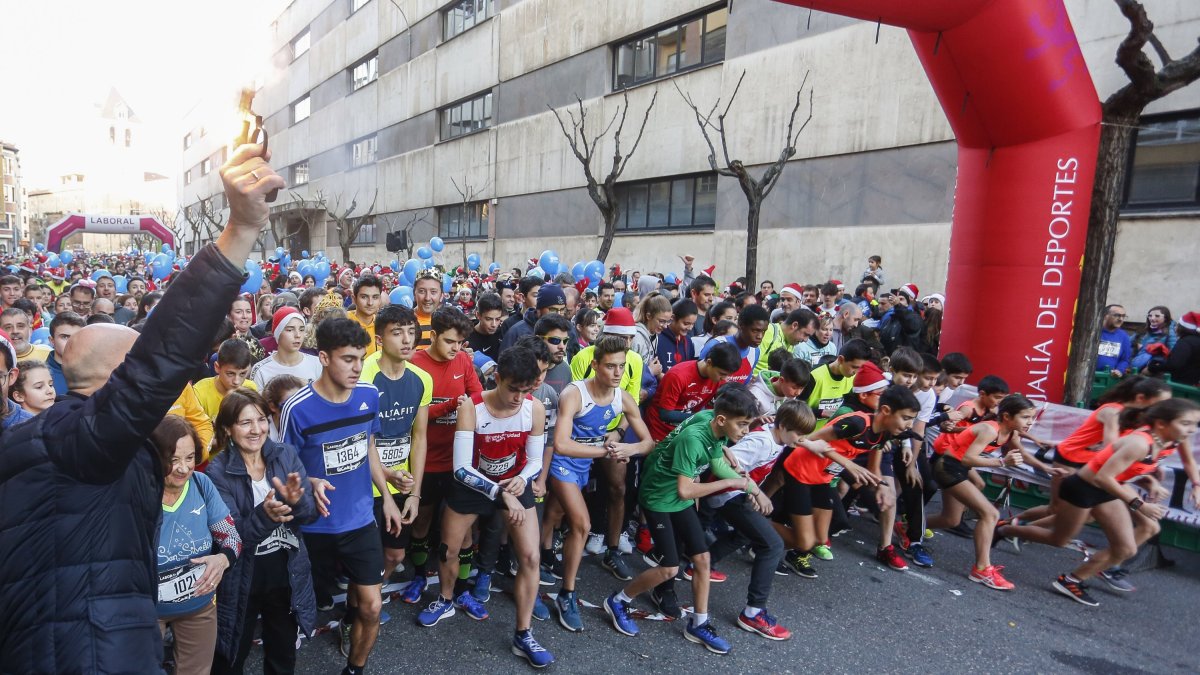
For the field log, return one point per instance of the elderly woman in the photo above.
(262, 482)
(197, 543)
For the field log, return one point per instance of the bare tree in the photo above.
(755, 190)
(469, 195)
(1122, 112)
(585, 142)
(305, 213)
(347, 224)
(210, 216)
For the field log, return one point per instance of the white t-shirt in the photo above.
(264, 371)
(755, 454)
(260, 488)
(928, 401)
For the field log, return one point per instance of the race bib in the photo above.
(497, 466)
(450, 417)
(829, 405)
(393, 451)
(282, 539)
(591, 441)
(345, 455)
(179, 584)
(834, 469)
(1110, 348)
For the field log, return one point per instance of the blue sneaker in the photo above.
(545, 578)
(384, 617)
(483, 586)
(437, 610)
(706, 635)
(412, 592)
(567, 605)
(540, 611)
(474, 609)
(919, 555)
(619, 613)
(528, 648)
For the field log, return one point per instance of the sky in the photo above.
(60, 57)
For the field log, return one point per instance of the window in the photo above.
(187, 141)
(112, 134)
(128, 137)
(463, 15)
(1165, 172)
(300, 44)
(468, 116)
(300, 110)
(362, 152)
(364, 72)
(460, 221)
(697, 41)
(686, 202)
(366, 235)
(205, 166)
(187, 177)
(356, 5)
(300, 173)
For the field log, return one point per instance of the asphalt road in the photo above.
(858, 616)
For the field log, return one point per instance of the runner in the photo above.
(368, 297)
(1094, 491)
(332, 423)
(498, 444)
(427, 298)
(688, 388)
(748, 515)
(287, 327)
(752, 325)
(832, 381)
(668, 499)
(591, 405)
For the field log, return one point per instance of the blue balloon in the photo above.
(437, 244)
(473, 261)
(41, 336)
(407, 301)
(159, 271)
(536, 272)
(411, 267)
(320, 271)
(577, 270)
(424, 253)
(304, 253)
(395, 265)
(427, 264)
(594, 270)
(39, 246)
(395, 296)
(278, 250)
(98, 273)
(66, 257)
(671, 278)
(254, 277)
(285, 261)
(548, 261)
(493, 268)
(305, 268)
(53, 260)
(121, 282)
(166, 248)
(447, 283)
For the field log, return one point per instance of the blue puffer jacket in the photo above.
(80, 498)
(228, 472)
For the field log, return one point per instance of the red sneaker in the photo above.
(644, 543)
(891, 558)
(714, 576)
(765, 625)
(902, 539)
(990, 577)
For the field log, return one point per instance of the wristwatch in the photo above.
(1135, 504)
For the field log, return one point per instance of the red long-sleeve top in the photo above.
(451, 379)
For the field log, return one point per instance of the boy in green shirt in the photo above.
(831, 382)
(668, 499)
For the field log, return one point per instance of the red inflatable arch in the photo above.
(1013, 83)
(79, 222)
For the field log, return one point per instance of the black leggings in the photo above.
(278, 633)
(913, 498)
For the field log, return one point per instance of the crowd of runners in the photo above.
(375, 434)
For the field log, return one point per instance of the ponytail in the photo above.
(1129, 388)
(1163, 411)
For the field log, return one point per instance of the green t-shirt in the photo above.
(828, 390)
(687, 451)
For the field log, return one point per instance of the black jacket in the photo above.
(1184, 362)
(80, 498)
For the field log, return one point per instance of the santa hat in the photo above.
(619, 321)
(1190, 321)
(7, 345)
(794, 290)
(935, 296)
(708, 271)
(910, 290)
(280, 320)
(869, 378)
(839, 284)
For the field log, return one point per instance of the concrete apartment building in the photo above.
(405, 99)
(14, 214)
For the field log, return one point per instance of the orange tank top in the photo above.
(956, 445)
(1083, 443)
(1140, 467)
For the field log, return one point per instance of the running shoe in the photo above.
(705, 634)
(961, 530)
(996, 536)
(384, 617)
(801, 564)
(528, 648)
(919, 555)
(540, 611)
(1015, 541)
(652, 559)
(614, 562)
(990, 576)
(666, 601)
(782, 570)
(343, 581)
(644, 542)
(344, 638)
(714, 576)
(624, 544)
(928, 533)
(595, 544)
(823, 552)
(545, 576)
(1115, 578)
(765, 625)
(567, 604)
(902, 540)
(619, 613)
(888, 556)
(325, 606)
(437, 610)
(474, 609)
(1075, 590)
(412, 592)
(482, 591)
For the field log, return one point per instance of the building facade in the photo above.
(443, 116)
(14, 214)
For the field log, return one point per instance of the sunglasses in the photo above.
(555, 340)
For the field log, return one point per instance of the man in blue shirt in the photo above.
(332, 423)
(1116, 349)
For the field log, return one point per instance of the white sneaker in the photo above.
(624, 545)
(595, 544)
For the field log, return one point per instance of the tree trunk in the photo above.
(1107, 193)
(610, 230)
(345, 252)
(752, 212)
